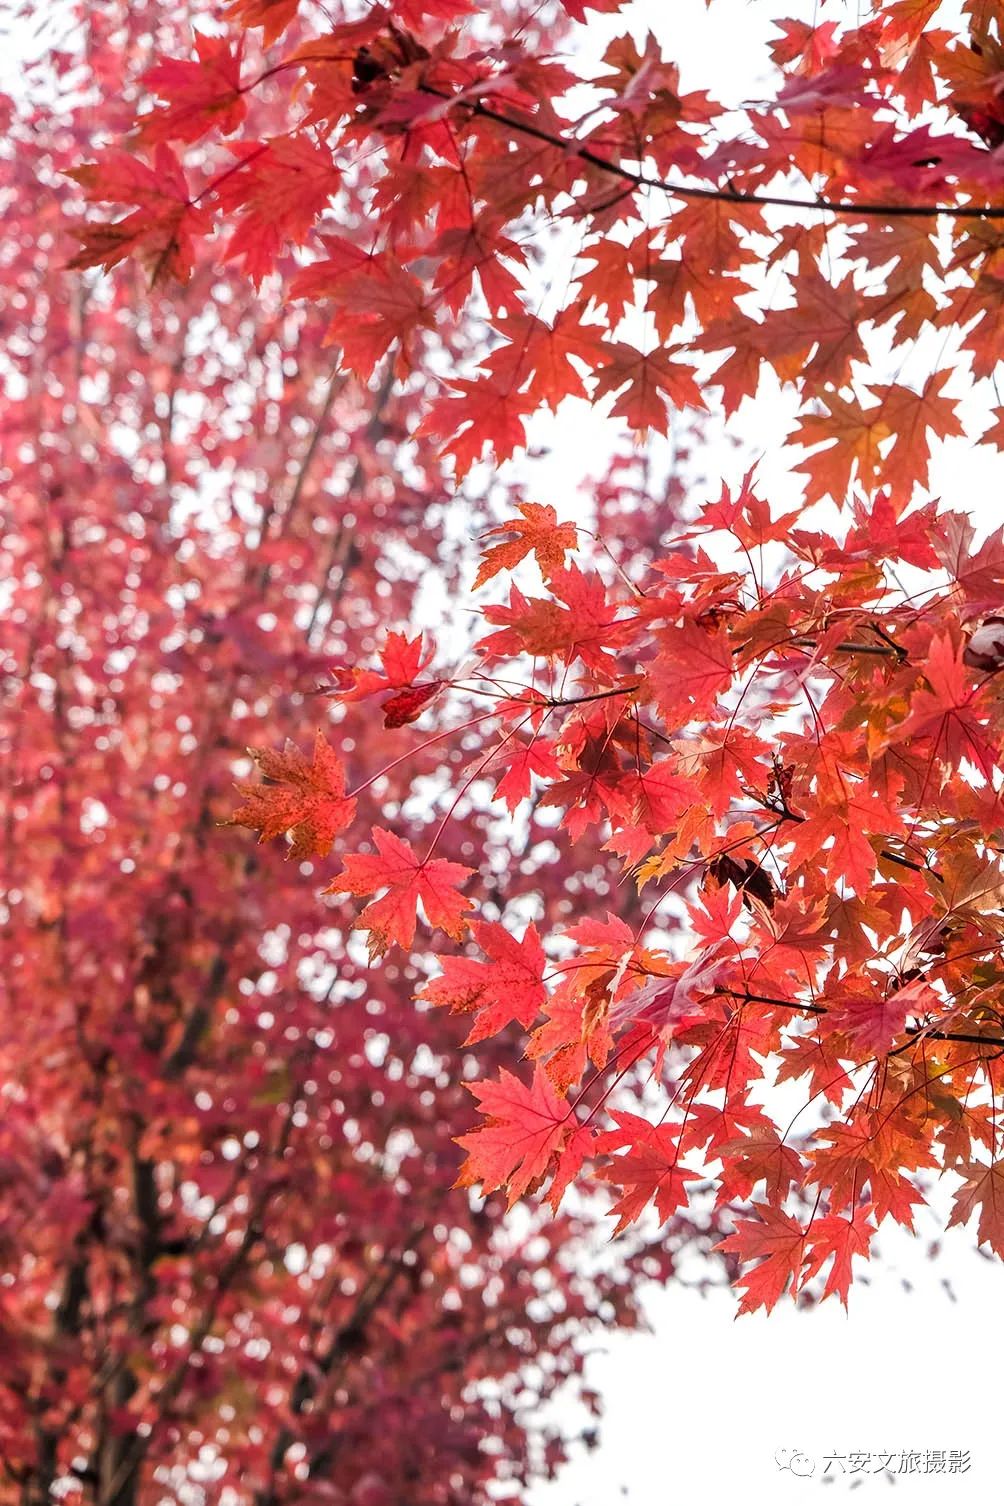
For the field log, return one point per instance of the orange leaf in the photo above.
(307, 799)
(199, 96)
(537, 532)
(274, 16)
(983, 1189)
(842, 1238)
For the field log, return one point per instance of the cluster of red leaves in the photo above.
(781, 744)
(815, 766)
(464, 146)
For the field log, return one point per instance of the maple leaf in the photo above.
(879, 530)
(577, 8)
(407, 705)
(780, 1240)
(852, 438)
(578, 623)
(873, 1022)
(826, 320)
(273, 16)
(394, 867)
(651, 385)
(670, 1005)
(910, 417)
(479, 413)
(659, 794)
(983, 1189)
(505, 988)
(649, 1169)
(403, 660)
(692, 668)
(538, 532)
(200, 95)
(863, 1152)
(722, 761)
(536, 360)
(160, 231)
(979, 573)
(521, 760)
(842, 1238)
(275, 191)
(307, 799)
(836, 835)
(760, 1156)
(526, 1127)
(377, 303)
(950, 711)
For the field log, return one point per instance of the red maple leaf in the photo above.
(274, 16)
(692, 669)
(670, 1005)
(507, 987)
(403, 660)
(161, 229)
(649, 1169)
(647, 386)
(874, 1019)
(526, 1127)
(983, 1189)
(520, 760)
(275, 191)
(478, 413)
(949, 711)
(759, 1156)
(200, 95)
(407, 705)
(841, 1237)
(777, 1242)
(408, 881)
(307, 800)
(376, 302)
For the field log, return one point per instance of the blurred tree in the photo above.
(232, 1267)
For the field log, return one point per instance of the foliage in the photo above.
(231, 1263)
(787, 726)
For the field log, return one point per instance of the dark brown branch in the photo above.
(927, 1032)
(864, 208)
(878, 649)
(135, 1445)
(183, 1055)
(264, 573)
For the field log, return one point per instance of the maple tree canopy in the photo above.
(786, 726)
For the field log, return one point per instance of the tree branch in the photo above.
(306, 1384)
(862, 209)
(916, 1031)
